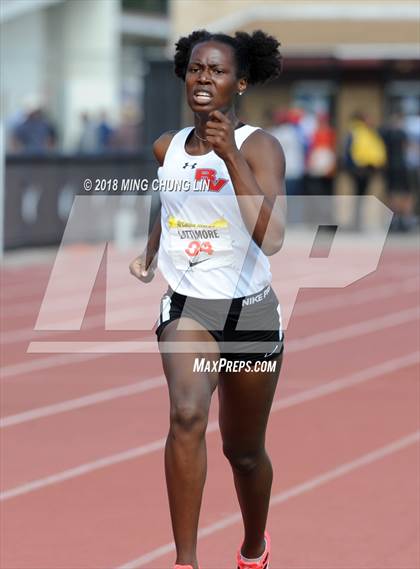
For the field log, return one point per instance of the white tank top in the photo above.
(205, 248)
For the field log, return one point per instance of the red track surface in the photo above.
(83, 485)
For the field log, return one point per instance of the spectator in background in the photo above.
(287, 131)
(104, 133)
(11, 123)
(364, 153)
(88, 139)
(307, 125)
(400, 199)
(127, 134)
(35, 132)
(412, 154)
(321, 165)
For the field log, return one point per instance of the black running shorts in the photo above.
(246, 328)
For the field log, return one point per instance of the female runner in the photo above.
(213, 238)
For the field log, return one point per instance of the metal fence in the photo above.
(40, 191)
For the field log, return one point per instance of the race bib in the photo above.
(200, 246)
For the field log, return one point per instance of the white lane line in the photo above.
(298, 490)
(85, 401)
(346, 332)
(278, 284)
(28, 308)
(350, 380)
(64, 359)
(111, 394)
(367, 295)
(338, 300)
(69, 283)
(90, 322)
(292, 346)
(48, 362)
(10, 291)
(315, 393)
(144, 346)
(297, 345)
(126, 314)
(83, 469)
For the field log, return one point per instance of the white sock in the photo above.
(257, 559)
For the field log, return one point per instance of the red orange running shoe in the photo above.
(265, 559)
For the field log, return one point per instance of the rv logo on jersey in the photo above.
(209, 175)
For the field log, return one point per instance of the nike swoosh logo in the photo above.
(198, 262)
(271, 353)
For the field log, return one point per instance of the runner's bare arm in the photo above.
(161, 145)
(258, 170)
(143, 266)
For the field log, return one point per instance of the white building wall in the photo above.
(67, 55)
(84, 36)
(23, 53)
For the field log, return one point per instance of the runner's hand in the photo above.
(220, 133)
(142, 270)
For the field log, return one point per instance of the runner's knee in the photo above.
(243, 461)
(188, 418)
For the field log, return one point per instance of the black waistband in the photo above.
(237, 302)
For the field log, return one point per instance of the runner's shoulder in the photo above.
(161, 145)
(262, 139)
(262, 144)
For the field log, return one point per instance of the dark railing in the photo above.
(40, 190)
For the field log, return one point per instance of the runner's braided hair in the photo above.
(258, 58)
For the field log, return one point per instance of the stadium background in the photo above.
(112, 58)
(83, 400)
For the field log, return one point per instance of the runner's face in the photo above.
(211, 80)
